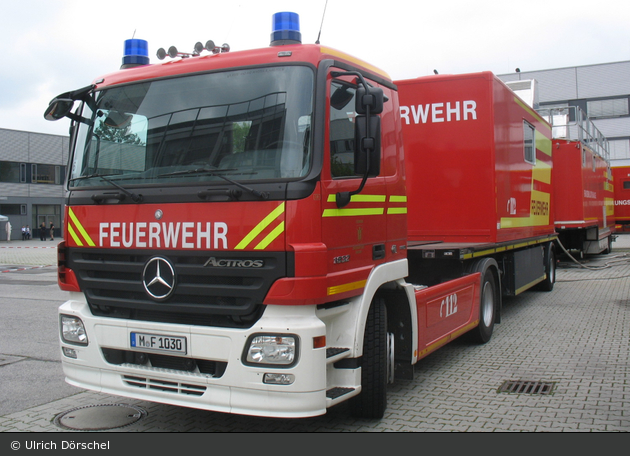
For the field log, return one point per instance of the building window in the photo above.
(529, 135)
(619, 149)
(10, 209)
(615, 107)
(10, 172)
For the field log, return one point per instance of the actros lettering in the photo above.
(156, 235)
(439, 112)
(225, 263)
(449, 305)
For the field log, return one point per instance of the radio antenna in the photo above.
(322, 24)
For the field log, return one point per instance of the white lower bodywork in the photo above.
(240, 389)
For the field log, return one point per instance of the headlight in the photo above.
(72, 330)
(272, 349)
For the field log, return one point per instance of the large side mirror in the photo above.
(369, 97)
(58, 108)
(367, 153)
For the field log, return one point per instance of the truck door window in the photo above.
(342, 129)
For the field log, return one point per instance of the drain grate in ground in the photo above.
(526, 387)
(99, 417)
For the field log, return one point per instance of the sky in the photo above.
(54, 46)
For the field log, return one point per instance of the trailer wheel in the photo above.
(609, 248)
(550, 270)
(372, 400)
(487, 309)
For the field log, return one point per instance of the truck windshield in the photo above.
(241, 125)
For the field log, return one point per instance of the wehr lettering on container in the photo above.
(439, 112)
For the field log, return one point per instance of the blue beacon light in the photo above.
(285, 29)
(136, 53)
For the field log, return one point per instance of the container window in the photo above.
(529, 134)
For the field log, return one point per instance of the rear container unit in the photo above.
(479, 161)
(583, 182)
(584, 198)
(621, 182)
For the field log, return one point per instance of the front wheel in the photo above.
(487, 309)
(372, 400)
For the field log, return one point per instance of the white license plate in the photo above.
(159, 342)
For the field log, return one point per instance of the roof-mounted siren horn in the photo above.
(136, 53)
(285, 29)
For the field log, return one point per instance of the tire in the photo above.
(487, 309)
(609, 248)
(372, 401)
(550, 270)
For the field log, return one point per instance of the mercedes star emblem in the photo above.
(158, 278)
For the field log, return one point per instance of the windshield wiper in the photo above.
(133, 196)
(213, 172)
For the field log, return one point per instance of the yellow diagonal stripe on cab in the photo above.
(81, 230)
(270, 237)
(77, 239)
(260, 227)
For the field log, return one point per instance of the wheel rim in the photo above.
(487, 304)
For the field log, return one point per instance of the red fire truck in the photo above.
(621, 181)
(583, 182)
(276, 231)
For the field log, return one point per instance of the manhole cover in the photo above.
(99, 417)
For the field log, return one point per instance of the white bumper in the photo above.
(239, 390)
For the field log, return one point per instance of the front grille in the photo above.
(203, 294)
(152, 360)
(187, 389)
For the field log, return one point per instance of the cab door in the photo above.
(355, 234)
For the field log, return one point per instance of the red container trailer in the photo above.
(479, 166)
(621, 182)
(583, 183)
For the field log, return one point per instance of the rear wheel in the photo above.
(550, 270)
(372, 400)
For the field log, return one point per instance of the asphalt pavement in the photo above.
(571, 344)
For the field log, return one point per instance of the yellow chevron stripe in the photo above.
(277, 231)
(79, 227)
(77, 239)
(260, 227)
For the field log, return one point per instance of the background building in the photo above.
(602, 91)
(32, 173)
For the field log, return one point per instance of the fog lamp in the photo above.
(69, 352)
(278, 379)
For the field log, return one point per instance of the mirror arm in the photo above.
(78, 118)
